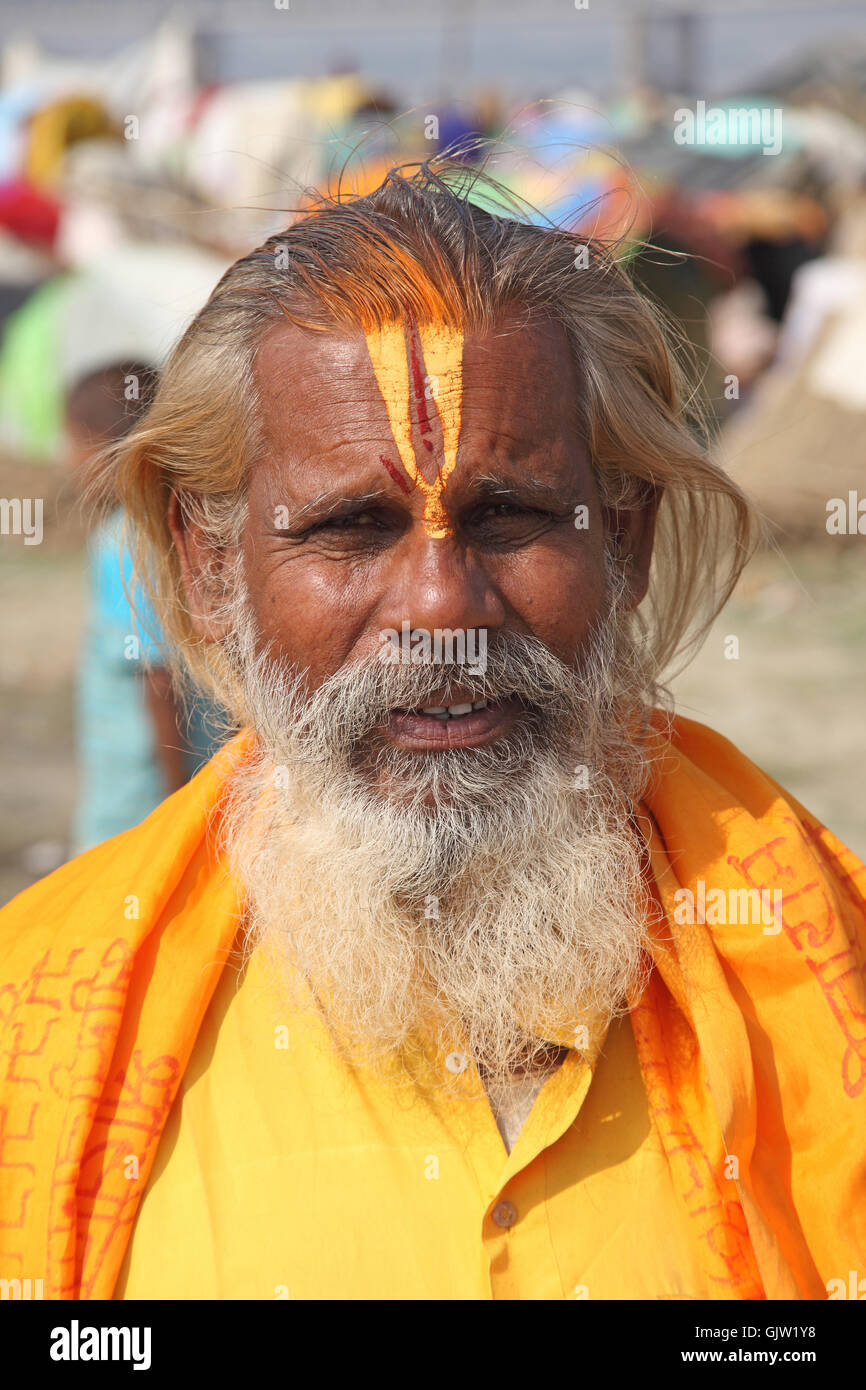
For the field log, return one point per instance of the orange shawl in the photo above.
(752, 1043)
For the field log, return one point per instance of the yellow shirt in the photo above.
(283, 1172)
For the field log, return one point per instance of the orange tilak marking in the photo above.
(443, 358)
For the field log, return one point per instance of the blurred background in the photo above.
(144, 147)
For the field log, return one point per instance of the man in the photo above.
(463, 971)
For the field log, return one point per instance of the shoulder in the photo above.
(706, 793)
(699, 757)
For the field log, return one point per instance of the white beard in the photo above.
(487, 886)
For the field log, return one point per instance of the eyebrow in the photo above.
(521, 489)
(328, 503)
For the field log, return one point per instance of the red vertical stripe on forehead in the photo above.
(424, 425)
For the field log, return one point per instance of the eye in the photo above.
(509, 523)
(508, 514)
(507, 509)
(347, 521)
(364, 531)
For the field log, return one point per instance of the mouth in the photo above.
(460, 723)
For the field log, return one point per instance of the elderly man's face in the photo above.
(336, 547)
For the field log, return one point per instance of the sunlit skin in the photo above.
(356, 557)
(419, 371)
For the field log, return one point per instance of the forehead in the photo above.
(517, 374)
(325, 423)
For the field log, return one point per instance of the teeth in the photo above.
(451, 711)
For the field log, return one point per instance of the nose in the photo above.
(439, 583)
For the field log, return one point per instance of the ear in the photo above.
(633, 533)
(199, 563)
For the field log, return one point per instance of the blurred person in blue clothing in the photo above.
(137, 742)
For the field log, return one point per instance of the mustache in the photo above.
(517, 665)
(352, 702)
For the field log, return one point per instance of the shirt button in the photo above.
(504, 1214)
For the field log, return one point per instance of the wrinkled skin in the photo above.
(323, 589)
